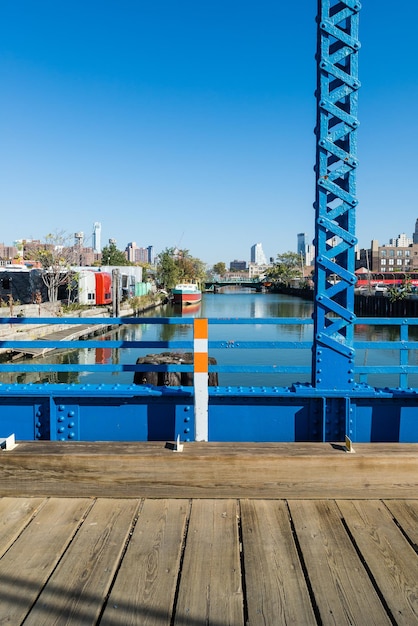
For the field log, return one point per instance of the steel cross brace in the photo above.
(335, 201)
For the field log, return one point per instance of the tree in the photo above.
(167, 270)
(175, 266)
(402, 291)
(55, 257)
(146, 274)
(112, 256)
(219, 268)
(191, 269)
(285, 269)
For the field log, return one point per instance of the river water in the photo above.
(232, 303)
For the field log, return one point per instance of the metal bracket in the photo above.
(349, 445)
(178, 447)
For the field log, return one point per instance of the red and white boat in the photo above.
(186, 293)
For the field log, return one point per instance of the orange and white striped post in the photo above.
(200, 374)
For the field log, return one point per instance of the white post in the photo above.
(8, 443)
(201, 393)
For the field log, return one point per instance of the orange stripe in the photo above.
(201, 328)
(201, 362)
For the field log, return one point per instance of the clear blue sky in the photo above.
(190, 122)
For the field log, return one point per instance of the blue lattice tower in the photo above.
(336, 162)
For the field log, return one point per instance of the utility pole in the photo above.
(115, 293)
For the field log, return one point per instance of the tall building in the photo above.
(415, 235)
(401, 241)
(130, 250)
(139, 255)
(389, 258)
(236, 265)
(97, 234)
(257, 255)
(306, 249)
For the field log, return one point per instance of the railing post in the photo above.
(200, 373)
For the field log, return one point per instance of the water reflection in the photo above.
(230, 304)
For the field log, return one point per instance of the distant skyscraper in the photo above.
(401, 241)
(415, 235)
(257, 255)
(131, 250)
(97, 234)
(306, 249)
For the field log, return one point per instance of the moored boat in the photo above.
(186, 293)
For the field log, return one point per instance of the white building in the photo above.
(257, 255)
(401, 241)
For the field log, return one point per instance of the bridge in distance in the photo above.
(250, 283)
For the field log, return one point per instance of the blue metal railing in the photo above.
(296, 412)
(404, 346)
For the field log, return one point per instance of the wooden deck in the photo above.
(178, 541)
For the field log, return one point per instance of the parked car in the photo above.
(380, 288)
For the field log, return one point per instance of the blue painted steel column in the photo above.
(336, 162)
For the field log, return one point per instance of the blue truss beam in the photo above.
(335, 201)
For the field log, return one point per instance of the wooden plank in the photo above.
(276, 589)
(210, 589)
(217, 448)
(144, 590)
(15, 514)
(209, 471)
(27, 565)
(78, 587)
(343, 592)
(390, 558)
(406, 514)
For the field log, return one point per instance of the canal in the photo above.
(232, 303)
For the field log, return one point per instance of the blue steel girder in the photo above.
(335, 200)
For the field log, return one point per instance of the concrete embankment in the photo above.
(32, 332)
(68, 332)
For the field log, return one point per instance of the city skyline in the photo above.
(147, 253)
(166, 135)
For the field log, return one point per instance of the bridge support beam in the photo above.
(335, 202)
